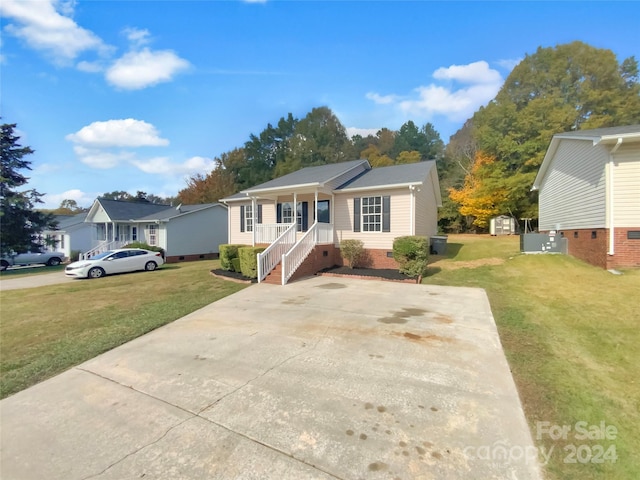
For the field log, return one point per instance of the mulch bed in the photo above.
(368, 274)
(232, 276)
(362, 273)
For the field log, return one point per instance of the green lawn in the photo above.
(47, 330)
(570, 333)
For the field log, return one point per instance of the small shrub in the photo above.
(145, 246)
(353, 251)
(75, 255)
(412, 255)
(249, 261)
(227, 253)
(235, 262)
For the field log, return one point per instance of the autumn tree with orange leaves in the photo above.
(484, 192)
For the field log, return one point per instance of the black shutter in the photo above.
(356, 214)
(259, 213)
(305, 216)
(279, 213)
(386, 214)
(242, 218)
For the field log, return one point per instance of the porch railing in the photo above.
(268, 259)
(102, 247)
(268, 232)
(325, 233)
(292, 259)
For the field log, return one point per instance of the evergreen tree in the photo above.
(20, 224)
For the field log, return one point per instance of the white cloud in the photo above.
(140, 69)
(508, 63)
(118, 133)
(90, 67)
(474, 73)
(83, 199)
(381, 99)
(465, 88)
(101, 159)
(137, 37)
(43, 28)
(364, 132)
(163, 166)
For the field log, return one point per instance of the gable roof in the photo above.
(173, 212)
(392, 176)
(309, 176)
(610, 136)
(120, 210)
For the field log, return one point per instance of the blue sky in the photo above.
(140, 95)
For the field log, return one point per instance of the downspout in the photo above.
(412, 189)
(254, 206)
(612, 235)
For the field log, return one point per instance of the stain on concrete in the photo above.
(363, 436)
(402, 444)
(443, 318)
(332, 286)
(375, 356)
(349, 432)
(301, 300)
(421, 450)
(403, 315)
(422, 338)
(377, 466)
(368, 406)
(382, 409)
(437, 455)
(434, 409)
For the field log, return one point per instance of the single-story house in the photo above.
(73, 234)
(589, 184)
(302, 217)
(185, 232)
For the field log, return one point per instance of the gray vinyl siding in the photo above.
(572, 194)
(196, 233)
(626, 181)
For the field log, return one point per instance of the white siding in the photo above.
(100, 216)
(626, 186)
(195, 233)
(426, 209)
(572, 194)
(235, 235)
(400, 204)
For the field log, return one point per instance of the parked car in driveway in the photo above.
(50, 259)
(120, 260)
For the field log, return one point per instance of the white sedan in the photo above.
(115, 261)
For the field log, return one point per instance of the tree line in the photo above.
(486, 169)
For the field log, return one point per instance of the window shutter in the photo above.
(356, 214)
(305, 216)
(386, 214)
(279, 213)
(242, 218)
(259, 213)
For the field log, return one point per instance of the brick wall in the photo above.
(190, 258)
(322, 256)
(583, 245)
(626, 251)
(374, 258)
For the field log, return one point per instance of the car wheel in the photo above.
(54, 262)
(95, 272)
(4, 265)
(150, 266)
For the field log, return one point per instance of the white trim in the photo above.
(610, 200)
(378, 187)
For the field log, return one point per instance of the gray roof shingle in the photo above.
(602, 132)
(308, 175)
(119, 210)
(393, 175)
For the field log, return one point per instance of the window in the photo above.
(323, 211)
(633, 235)
(134, 234)
(153, 234)
(287, 213)
(371, 214)
(248, 218)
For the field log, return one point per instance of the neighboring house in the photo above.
(73, 234)
(186, 232)
(313, 209)
(589, 185)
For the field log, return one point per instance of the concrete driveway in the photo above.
(326, 378)
(33, 281)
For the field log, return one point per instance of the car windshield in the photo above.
(102, 255)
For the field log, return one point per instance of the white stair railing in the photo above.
(100, 248)
(269, 232)
(292, 259)
(268, 259)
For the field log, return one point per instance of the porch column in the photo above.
(315, 217)
(295, 207)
